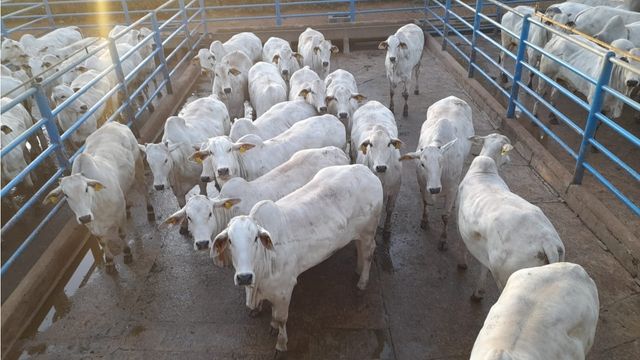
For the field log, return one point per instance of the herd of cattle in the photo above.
(304, 164)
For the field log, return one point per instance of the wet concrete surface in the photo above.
(171, 302)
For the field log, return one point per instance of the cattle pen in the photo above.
(58, 301)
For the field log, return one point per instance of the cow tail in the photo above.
(552, 252)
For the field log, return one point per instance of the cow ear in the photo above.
(298, 57)
(328, 99)
(199, 156)
(275, 59)
(624, 58)
(304, 93)
(242, 147)
(397, 143)
(477, 140)
(334, 49)
(95, 184)
(363, 147)
(505, 149)
(448, 145)
(143, 149)
(26, 67)
(359, 97)
(383, 45)
(53, 196)
(6, 129)
(403, 45)
(226, 203)
(234, 71)
(220, 243)
(316, 49)
(265, 238)
(176, 218)
(410, 156)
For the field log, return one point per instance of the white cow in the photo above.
(316, 51)
(616, 29)
(278, 51)
(375, 144)
(76, 109)
(13, 53)
(569, 9)
(14, 122)
(196, 122)
(591, 21)
(402, 62)
(101, 177)
(612, 3)
(495, 146)
(273, 122)
(546, 312)
(589, 63)
(279, 240)
(246, 42)
(500, 229)
(442, 148)
(266, 87)
(251, 157)
(305, 84)
(231, 82)
(342, 96)
(208, 217)
(57, 38)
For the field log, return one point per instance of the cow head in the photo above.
(13, 53)
(207, 60)
(220, 158)
(322, 50)
(225, 79)
(431, 163)
(631, 78)
(395, 49)
(287, 62)
(251, 249)
(80, 192)
(495, 146)
(341, 102)
(160, 162)
(43, 67)
(14, 161)
(314, 92)
(379, 151)
(204, 217)
(61, 93)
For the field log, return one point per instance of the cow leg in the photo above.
(360, 256)
(203, 188)
(503, 77)
(279, 316)
(542, 90)
(391, 93)
(478, 294)
(424, 223)
(405, 95)
(416, 76)
(367, 247)
(142, 189)
(462, 264)
(448, 205)
(391, 204)
(109, 265)
(553, 119)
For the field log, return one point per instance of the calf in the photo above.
(266, 87)
(342, 96)
(197, 121)
(316, 51)
(546, 312)
(404, 51)
(305, 84)
(246, 42)
(442, 148)
(231, 82)
(278, 51)
(275, 121)
(340, 204)
(101, 176)
(207, 217)
(251, 157)
(375, 144)
(500, 229)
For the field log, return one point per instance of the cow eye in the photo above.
(188, 218)
(421, 164)
(256, 239)
(165, 160)
(210, 214)
(86, 189)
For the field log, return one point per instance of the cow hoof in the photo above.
(462, 266)
(442, 245)
(110, 268)
(254, 313)
(128, 258)
(184, 231)
(424, 225)
(416, 92)
(280, 355)
(476, 297)
(273, 331)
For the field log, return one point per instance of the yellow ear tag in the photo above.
(198, 159)
(98, 187)
(228, 204)
(53, 199)
(504, 151)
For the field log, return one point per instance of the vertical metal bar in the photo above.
(204, 16)
(278, 14)
(4, 30)
(47, 9)
(125, 9)
(474, 37)
(185, 23)
(498, 19)
(445, 29)
(50, 125)
(129, 112)
(592, 121)
(352, 10)
(517, 73)
(160, 53)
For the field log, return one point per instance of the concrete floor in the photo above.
(173, 303)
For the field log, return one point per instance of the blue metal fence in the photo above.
(186, 27)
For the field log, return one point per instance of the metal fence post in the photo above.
(474, 37)
(4, 30)
(50, 125)
(498, 19)
(125, 9)
(592, 121)
(204, 16)
(517, 73)
(352, 10)
(185, 23)
(278, 14)
(47, 9)
(160, 53)
(445, 30)
(129, 112)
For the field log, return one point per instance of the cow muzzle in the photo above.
(322, 109)
(227, 91)
(381, 169)
(392, 59)
(244, 279)
(84, 219)
(159, 187)
(285, 72)
(343, 116)
(223, 172)
(205, 179)
(632, 83)
(202, 245)
(325, 64)
(434, 191)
